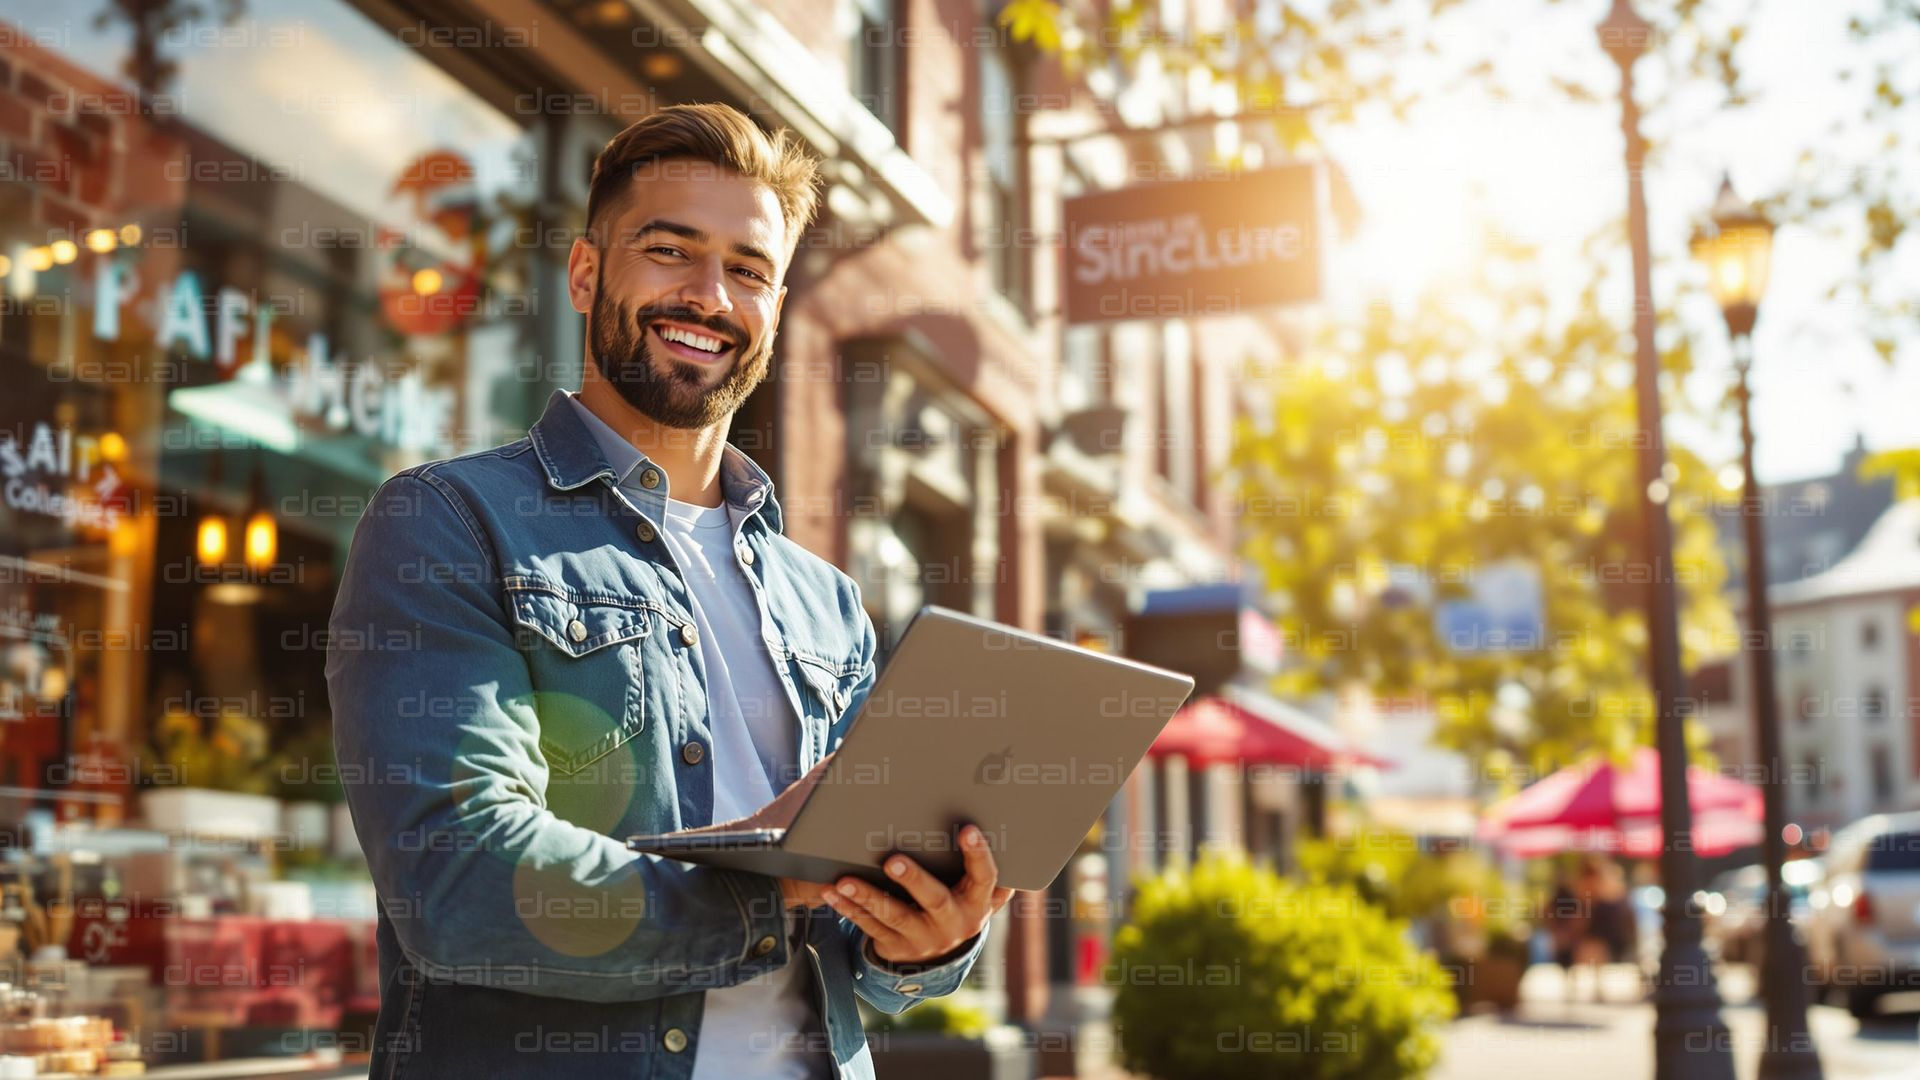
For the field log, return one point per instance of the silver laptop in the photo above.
(969, 722)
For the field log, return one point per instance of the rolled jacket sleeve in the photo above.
(439, 748)
(895, 988)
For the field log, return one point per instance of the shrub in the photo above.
(1229, 971)
(1457, 901)
(938, 1016)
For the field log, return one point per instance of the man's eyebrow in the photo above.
(698, 236)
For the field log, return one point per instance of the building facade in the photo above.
(258, 258)
(1811, 523)
(1847, 676)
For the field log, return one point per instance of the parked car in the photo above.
(1863, 933)
(1735, 907)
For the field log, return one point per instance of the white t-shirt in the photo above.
(766, 1027)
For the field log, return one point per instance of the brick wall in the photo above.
(932, 282)
(77, 145)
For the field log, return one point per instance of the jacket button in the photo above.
(689, 635)
(692, 752)
(908, 988)
(650, 478)
(674, 1040)
(577, 630)
(840, 699)
(763, 946)
(746, 555)
(644, 531)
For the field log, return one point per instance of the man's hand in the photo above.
(945, 918)
(802, 894)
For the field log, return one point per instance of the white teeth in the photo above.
(698, 341)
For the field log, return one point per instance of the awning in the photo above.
(1253, 729)
(1598, 806)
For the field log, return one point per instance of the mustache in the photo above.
(714, 324)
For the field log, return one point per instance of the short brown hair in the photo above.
(719, 135)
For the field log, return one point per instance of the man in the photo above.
(600, 630)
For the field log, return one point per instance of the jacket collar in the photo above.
(571, 456)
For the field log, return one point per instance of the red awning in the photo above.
(1598, 806)
(1211, 730)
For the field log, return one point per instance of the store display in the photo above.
(214, 316)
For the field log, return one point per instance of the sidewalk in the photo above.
(1614, 1041)
(1547, 1037)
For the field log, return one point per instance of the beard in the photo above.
(671, 391)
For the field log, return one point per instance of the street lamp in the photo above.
(1689, 1038)
(1736, 247)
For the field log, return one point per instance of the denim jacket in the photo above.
(516, 687)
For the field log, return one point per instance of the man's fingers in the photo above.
(863, 917)
(1001, 895)
(934, 898)
(892, 913)
(982, 872)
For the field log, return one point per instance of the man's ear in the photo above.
(583, 267)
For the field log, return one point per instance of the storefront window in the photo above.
(250, 267)
(255, 256)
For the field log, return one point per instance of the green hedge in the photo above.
(1229, 972)
(939, 1016)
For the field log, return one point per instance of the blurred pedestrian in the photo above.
(1607, 936)
(1565, 921)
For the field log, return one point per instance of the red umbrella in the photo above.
(1597, 806)
(1210, 730)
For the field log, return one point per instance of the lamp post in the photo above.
(1689, 1038)
(1736, 247)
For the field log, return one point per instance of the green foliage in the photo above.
(1311, 67)
(1314, 66)
(1374, 864)
(939, 1016)
(1388, 869)
(305, 767)
(1475, 429)
(1229, 971)
(227, 752)
(1854, 179)
(1902, 465)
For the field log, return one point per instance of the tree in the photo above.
(1860, 183)
(1312, 65)
(1902, 465)
(154, 22)
(1862, 180)
(1406, 454)
(1305, 65)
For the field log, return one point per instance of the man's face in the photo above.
(688, 253)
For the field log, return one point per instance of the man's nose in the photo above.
(705, 289)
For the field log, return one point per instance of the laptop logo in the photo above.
(995, 767)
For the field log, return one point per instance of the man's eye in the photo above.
(663, 247)
(757, 275)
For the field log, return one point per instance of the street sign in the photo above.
(1505, 613)
(1194, 247)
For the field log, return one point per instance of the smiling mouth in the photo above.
(692, 352)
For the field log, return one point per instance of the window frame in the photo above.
(1009, 265)
(875, 74)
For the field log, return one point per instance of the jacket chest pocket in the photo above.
(828, 689)
(587, 659)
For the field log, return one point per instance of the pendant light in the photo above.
(260, 543)
(210, 539)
